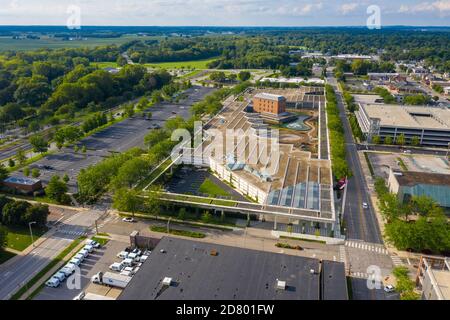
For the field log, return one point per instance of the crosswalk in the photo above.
(73, 232)
(108, 220)
(396, 261)
(376, 248)
(360, 275)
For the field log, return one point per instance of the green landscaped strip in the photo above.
(224, 203)
(102, 241)
(177, 232)
(369, 164)
(46, 269)
(29, 161)
(19, 238)
(210, 188)
(5, 256)
(193, 64)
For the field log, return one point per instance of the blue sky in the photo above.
(225, 12)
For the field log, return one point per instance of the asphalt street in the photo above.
(361, 224)
(17, 273)
(119, 137)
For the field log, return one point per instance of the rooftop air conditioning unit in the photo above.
(167, 281)
(281, 285)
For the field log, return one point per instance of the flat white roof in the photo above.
(269, 96)
(409, 116)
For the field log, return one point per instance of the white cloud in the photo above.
(348, 7)
(441, 6)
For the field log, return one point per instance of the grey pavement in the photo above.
(360, 223)
(119, 137)
(16, 274)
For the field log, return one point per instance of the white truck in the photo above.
(111, 279)
(91, 296)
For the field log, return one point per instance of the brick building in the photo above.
(269, 103)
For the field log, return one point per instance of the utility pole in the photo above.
(31, 232)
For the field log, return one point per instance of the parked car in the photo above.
(137, 251)
(117, 266)
(133, 256)
(128, 220)
(88, 248)
(143, 258)
(128, 262)
(75, 261)
(61, 276)
(389, 288)
(80, 256)
(53, 283)
(80, 296)
(84, 252)
(95, 244)
(68, 269)
(122, 255)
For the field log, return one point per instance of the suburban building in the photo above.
(433, 278)
(408, 184)
(269, 103)
(430, 124)
(179, 269)
(22, 184)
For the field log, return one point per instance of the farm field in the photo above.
(195, 64)
(7, 43)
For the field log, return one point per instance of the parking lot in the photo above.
(100, 260)
(119, 137)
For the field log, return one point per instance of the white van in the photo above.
(128, 262)
(122, 255)
(143, 258)
(84, 252)
(68, 269)
(61, 276)
(89, 248)
(116, 266)
(53, 283)
(79, 256)
(134, 257)
(90, 242)
(75, 261)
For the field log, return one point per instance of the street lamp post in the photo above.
(31, 232)
(168, 225)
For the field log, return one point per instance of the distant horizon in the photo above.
(226, 26)
(232, 13)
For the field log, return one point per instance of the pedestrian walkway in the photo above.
(376, 248)
(73, 232)
(397, 261)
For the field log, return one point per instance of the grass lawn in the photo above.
(19, 237)
(102, 65)
(102, 241)
(7, 43)
(210, 188)
(195, 64)
(5, 256)
(177, 232)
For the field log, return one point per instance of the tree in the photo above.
(35, 173)
(388, 140)
(26, 172)
(415, 141)
(56, 189)
(244, 76)
(37, 213)
(20, 156)
(3, 172)
(127, 200)
(11, 163)
(401, 140)
(3, 237)
(376, 139)
(66, 178)
(14, 212)
(39, 144)
(152, 201)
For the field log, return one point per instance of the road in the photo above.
(16, 273)
(360, 224)
(397, 149)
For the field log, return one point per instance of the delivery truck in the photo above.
(111, 279)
